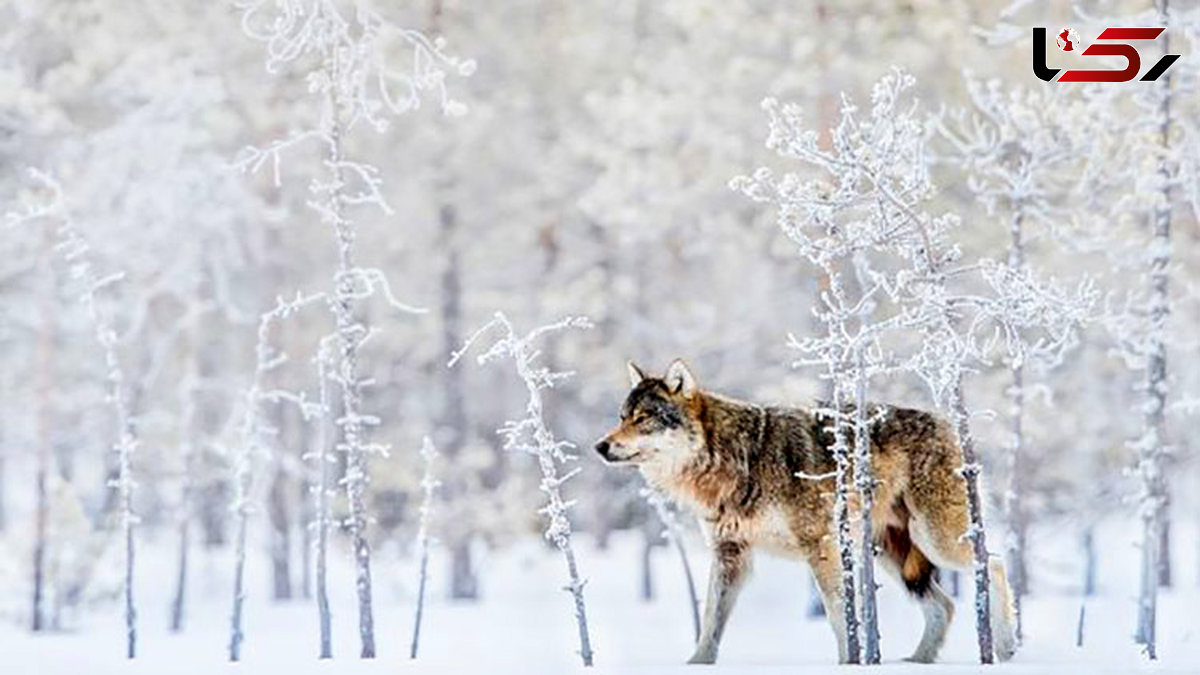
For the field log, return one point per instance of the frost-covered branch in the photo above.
(673, 531)
(346, 63)
(1021, 151)
(531, 435)
(370, 87)
(253, 434)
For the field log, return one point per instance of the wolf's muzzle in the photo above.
(604, 448)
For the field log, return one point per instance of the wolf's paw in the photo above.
(702, 658)
(1004, 642)
(1005, 646)
(922, 657)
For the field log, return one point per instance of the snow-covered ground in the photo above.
(523, 625)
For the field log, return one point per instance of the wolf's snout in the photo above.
(603, 448)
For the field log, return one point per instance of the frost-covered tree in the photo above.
(835, 230)
(76, 253)
(847, 212)
(876, 190)
(349, 72)
(321, 493)
(1021, 154)
(252, 446)
(530, 434)
(1152, 446)
(1148, 127)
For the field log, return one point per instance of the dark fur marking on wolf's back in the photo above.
(736, 463)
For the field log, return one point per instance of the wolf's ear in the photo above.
(680, 379)
(635, 374)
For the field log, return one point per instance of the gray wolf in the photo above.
(735, 464)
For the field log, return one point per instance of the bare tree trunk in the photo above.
(970, 473)
(185, 520)
(1089, 562)
(321, 508)
(1014, 497)
(281, 536)
(464, 584)
(1164, 539)
(1088, 588)
(843, 474)
(291, 423)
(539, 441)
(841, 519)
(416, 638)
(1151, 445)
(307, 543)
(243, 479)
(350, 333)
(213, 507)
(187, 454)
(864, 480)
(177, 601)
(464, 581)
(1079, 624)
(674, 534)
(45, 361)
(251, 445)
(429, 486)
(689, 578)
(75, 250)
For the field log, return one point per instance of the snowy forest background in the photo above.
(218, 229)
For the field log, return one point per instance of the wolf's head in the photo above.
(659, 429)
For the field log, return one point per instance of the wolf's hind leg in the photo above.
(937, 529)
(730, 567)
(909, 565)
(827, 570)
(1004, 636)
(938, 609)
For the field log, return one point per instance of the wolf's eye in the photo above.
(640, 417)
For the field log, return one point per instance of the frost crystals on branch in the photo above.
(531, 435)
(252, 444)
(350, 76)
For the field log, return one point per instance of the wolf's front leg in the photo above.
(730, 567)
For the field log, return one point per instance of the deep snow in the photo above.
(524, 625)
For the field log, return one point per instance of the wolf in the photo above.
(736, 464)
